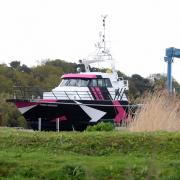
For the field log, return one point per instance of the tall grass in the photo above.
(160, 111)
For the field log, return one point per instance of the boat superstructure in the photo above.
(89, 86)
(81, 98)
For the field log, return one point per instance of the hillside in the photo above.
(89, 155)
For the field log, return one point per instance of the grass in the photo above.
(89, 155)
(159, 112)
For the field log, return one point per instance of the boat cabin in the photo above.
(89, 86)
(85, 80)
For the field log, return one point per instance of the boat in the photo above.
(81, 99)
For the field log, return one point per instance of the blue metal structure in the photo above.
(170, 54)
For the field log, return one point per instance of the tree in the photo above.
(15, 64)
(138, 86)
(10, 116)
(25, 69)
(66, 66)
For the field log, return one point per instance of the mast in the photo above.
(104, 28)
(102, 53)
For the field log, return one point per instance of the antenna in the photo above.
(104, 28)
(102, 53)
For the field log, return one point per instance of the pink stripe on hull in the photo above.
(25, 104)
(121, 113)
(61, 118)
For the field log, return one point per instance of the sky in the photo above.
(137, 32)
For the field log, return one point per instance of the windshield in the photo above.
(105, 82)
(75, 82)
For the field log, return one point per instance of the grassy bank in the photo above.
(89, 155)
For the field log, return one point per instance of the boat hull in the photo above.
(71, 114)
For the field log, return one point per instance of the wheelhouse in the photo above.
(86, 82)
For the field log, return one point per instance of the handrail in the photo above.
(36, 93)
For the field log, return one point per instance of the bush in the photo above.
(108, 126)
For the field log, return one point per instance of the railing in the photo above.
(37, 93)
(26, 92)
(70, 95)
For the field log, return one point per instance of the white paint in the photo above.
(93, 113)
(39, 124)
(57, 124)
(25, 109)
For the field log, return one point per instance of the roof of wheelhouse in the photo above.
(88, 75)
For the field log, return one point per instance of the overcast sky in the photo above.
(138, 31)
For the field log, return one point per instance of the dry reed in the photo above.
(160, 111)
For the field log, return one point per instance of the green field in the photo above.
(89, 155)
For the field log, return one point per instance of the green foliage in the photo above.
(138, 86)
(10, 116)
(67, 67)
(102, 126)
(15, 64)
(25, 69)
(120, 74)
(6, 84)
(159, 81)
(47, 76)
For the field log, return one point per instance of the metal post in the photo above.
(169, 75)
(170, 54)
(39, 124)
(57, 124)
(169, 59)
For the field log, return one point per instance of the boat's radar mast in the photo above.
(104, 35)
(102, 53)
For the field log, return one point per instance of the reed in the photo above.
(160, 111)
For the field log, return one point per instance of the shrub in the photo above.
(103, 126)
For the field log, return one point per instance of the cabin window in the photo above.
(100, 82)
(93, 82)
(63, 82)
(72, 82)
(75, 82)
(84, 82)
(108, 82)
(105, 82)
